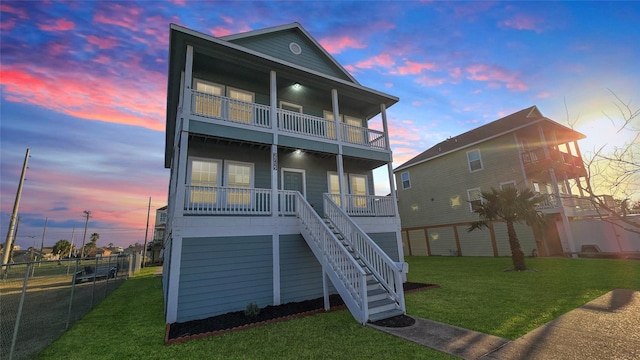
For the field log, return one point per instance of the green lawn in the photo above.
(475, 293)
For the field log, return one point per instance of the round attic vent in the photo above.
(295, 48)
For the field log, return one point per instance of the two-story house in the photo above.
(437, 188)
(271, 195)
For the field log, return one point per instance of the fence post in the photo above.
(93, 287)
(19, 315)
(73, 288)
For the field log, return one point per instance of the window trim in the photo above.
(233, 162)
(223, 89)
(190, 161)
(289, 104)
(479, 159)
(408, 180)
(479, 190)
(510, 182)
(366, 184)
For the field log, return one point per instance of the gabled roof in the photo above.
(180, 37)
(508, 124)
(241, 39)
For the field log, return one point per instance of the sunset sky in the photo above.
(83, 85)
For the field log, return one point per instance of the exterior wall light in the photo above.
(296, 86)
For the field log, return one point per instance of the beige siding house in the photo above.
(525, 149)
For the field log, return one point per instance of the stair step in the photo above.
(379, 306)
(377, 294)
(385, 315)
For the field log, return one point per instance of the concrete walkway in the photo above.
(605, 328)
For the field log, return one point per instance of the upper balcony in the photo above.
(235, 113)
(535, 161)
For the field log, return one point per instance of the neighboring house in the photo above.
(437, 188)
(154, 248)
(271, 155)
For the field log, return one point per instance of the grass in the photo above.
(475, 293)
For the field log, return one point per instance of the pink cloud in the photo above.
(11, 10)
(382, 60)
(127, 17)
(58, 25)
(523, 22)
(91, 97)
(543, 95)
(102, 59)
(495, 76)
(8, 24)
(337, 45)
(411, 67)
(350, 68)
(102, 43)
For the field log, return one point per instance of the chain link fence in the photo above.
(40, 300)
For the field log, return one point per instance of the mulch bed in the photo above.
(233, 321)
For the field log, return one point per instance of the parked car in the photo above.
(101, 273)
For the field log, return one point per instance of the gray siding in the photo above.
(388, 243)
(475, 243)
(224, 274)
(300, 271)
(277, 45)
(438, 193)
(525, 235)
(442, 241)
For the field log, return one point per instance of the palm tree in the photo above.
(512, 206)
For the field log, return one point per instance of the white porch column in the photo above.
(183, 138)
(180, 166)
(340, 164)
(274, 147)
(275, 237)
(568, 244)
(392, 187)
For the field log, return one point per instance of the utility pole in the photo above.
(146, 233)
(87, 215)
(72, 233)
(12, 223)
(46, 219)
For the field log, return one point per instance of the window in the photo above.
(475, 198)
(204, 176)
(239, 176)
(359, 187)
(475, 160)
(241, 110)
(209, 104)
(331, 126)
(406, 180)
(508, 184)
(334, 187)
(355, 132)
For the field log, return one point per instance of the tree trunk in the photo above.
(517, 256)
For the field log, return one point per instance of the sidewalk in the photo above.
(605, 328)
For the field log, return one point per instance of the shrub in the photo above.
(252, 310)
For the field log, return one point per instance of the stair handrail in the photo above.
(383, 268)
(332, 254)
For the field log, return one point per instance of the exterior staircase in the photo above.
(368, 281)
(380, 304)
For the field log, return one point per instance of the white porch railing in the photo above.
(227, 109)
(363, 136)
(366, 205)
(217, 200)
(346, 275)
(384, 269)
(299, 123)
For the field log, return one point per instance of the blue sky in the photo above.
(83, 85)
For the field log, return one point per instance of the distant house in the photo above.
(271, 196)
(154, 248)
(437, 188)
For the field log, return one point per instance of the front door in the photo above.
(293, 180)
